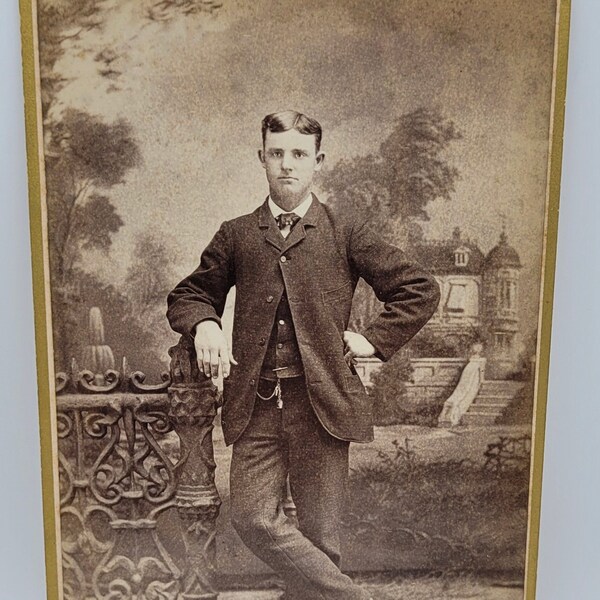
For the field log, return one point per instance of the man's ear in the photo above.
(320, 159)
(261, 156)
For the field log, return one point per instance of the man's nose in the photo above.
(286, 162)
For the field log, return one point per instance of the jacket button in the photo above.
(280, 345)
(252, 381)
(261, 342)
(283, 259)
(269, 299)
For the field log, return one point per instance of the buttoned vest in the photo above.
(282, 358)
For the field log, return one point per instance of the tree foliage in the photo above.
(87, 156)
(394, 187)
(389, 390)
(165, 10)
(149, 277)
(64, 21)
(84, 155)
(414, 167)
(429, 343)
(58, 22)
(410, 171)
(148, 282)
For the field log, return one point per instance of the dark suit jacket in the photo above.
(319, 264)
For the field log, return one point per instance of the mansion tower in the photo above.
(479, 297)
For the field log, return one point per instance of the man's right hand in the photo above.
(212, 349)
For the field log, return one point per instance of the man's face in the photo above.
(291, 161)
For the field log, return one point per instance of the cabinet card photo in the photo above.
(293, 271)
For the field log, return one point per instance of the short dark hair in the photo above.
(290, 119)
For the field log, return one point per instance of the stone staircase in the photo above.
(493, 398)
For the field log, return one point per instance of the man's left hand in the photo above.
(356, 346)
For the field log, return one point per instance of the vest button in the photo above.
(269, 299)
(283, 259)
(280, 345)
(281, 322)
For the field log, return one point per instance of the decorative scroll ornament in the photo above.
(130, 451)
(88, 382)
(83, 547)
(147, 579)
(136, 383)
(110, 381)
(132, 464)
(62, 380)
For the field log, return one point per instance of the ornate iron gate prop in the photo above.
(138, 502)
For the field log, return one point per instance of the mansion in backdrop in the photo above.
(479, 298)
(469, 365)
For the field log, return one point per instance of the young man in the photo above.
(292, 399)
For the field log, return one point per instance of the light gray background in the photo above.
(570, 536)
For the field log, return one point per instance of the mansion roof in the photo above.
(461, 256)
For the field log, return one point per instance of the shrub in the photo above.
(389, 391)
(431, 344)
(444, 516)
(390, 404)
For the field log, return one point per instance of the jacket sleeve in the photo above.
(410, 294)
(202, 295)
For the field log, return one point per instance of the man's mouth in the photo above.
(288, 178)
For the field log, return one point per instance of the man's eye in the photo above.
(275, 153)
(299, 154)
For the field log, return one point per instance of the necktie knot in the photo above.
(287, 220)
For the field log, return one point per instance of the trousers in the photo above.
(282, 442)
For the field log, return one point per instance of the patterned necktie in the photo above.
(287, 220)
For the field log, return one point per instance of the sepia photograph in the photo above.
(295, 279)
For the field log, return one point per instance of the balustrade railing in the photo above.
(138, 502)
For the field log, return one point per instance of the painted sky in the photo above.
(195, 90)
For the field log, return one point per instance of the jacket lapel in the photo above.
(269, 226)
(272, 234)
(309, 220)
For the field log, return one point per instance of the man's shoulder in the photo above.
(343, 218)
(242, 221)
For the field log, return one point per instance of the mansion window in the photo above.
(503, 340)
(508, 294)
(461, 257)
(456, 300)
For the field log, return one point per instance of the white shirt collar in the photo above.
(300, 210)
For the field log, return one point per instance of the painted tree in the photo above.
(84, 156)
(89, 157)
(148, 278)
(388, 391)
(409, 172)
(58, 22)
(148, 282)
(394, 187)
(61, 22)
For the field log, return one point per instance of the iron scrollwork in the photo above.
(132, 457)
